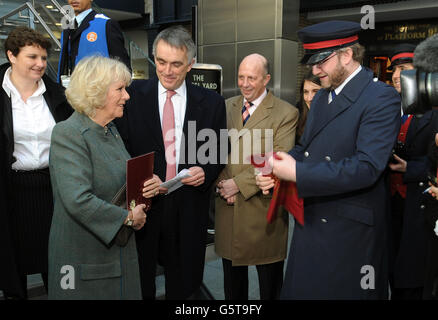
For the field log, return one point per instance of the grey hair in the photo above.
(176, 37)
(426, 55)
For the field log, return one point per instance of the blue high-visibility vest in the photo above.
(92, 41)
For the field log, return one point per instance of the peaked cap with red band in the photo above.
(322, 39)
(402, 53)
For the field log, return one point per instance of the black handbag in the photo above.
(125, 232)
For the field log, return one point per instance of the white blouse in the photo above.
(32, 126)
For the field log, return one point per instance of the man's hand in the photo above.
(433, 191)
(231, 200)
(399, 166)
(227, 188)
(265, 183)
(152, 187)
(197, 177)
(284, 167)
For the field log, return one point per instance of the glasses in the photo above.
(319, 64)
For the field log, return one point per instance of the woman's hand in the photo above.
(139, 217)
(152, 187)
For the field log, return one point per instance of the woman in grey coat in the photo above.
(88, 166)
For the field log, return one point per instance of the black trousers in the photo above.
(30, 219)
(157, 243)
(236, 280)
(23, 284)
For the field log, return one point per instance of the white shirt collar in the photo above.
(81, 16)
(180, 91)
(9, 87)
(339, 89)
(257, 101)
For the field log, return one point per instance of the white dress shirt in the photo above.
(256, 102)
(32, 126)
(179, 101)
(339, 89)
(81, 16)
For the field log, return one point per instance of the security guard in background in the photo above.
(93, 33)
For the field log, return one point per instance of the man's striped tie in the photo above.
(245, 111)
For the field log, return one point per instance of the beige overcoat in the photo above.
(242, 232)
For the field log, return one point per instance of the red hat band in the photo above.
(402, 55)
(329, 43)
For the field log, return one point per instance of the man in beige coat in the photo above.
(257, 122)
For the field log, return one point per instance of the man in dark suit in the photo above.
(170, 107)
(341, 251)
(91, 33)
(408, 179)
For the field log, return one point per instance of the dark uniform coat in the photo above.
(409, 247)
(430, 209)
(341, 251)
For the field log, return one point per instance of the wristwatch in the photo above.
(130, 222)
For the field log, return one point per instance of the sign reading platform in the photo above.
(208, 76)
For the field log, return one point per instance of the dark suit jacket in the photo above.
(114, 39)
(344, 150)
(140, 128)
(409, 260)
(60, 110)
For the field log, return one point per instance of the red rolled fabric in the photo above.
(285, 192)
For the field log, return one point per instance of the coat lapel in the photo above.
(327, 112)
(151, 117)
(193, 114)
(193, 107)
(84, 25)
(261, 113)
(236, 114)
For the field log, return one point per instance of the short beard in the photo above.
(338, 76)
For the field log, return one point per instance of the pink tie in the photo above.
(169, 136)
(245, 111)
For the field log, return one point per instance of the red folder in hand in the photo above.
(285, 192)
(138, 170)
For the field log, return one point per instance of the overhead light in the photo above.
(49, 6)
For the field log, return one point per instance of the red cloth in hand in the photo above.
(285, 192)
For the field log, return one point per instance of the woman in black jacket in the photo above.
(31, 105)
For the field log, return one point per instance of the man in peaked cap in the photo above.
(341, 251)
(401, 59)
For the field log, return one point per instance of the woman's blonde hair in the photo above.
(90, 81)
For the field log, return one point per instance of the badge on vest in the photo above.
(92, 36)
